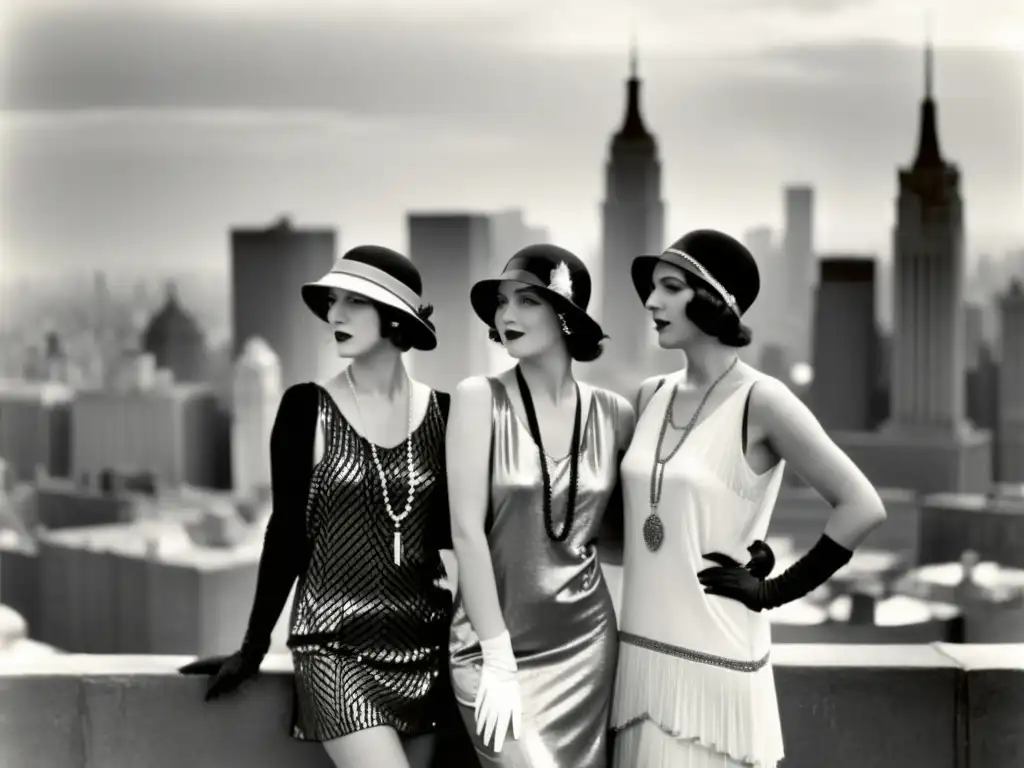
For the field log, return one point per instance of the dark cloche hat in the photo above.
(718, 259)
(559, 275)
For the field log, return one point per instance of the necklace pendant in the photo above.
(654, 532)
(398, 548)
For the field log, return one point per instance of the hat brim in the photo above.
(316, 294)
(642, 272)
(484, 298)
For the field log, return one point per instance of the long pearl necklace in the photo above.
(396, 519)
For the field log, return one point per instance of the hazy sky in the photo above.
(144, 133)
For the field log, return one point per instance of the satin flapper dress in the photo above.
(368, 637)
(694, 686)
(554, 599)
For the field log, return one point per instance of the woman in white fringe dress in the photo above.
(694, 685)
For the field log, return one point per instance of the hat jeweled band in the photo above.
(702, 272)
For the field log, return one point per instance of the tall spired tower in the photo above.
(633, 224)
(928, 366)
(927, 445)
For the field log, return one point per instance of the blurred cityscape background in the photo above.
(150, 315)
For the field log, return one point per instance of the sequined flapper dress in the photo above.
(367, 636)
(553, 595)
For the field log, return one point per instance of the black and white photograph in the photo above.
(511, 383)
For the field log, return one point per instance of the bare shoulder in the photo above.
(469, 421)
(472, 392)
(769, 396)
(506, 377)
(422, 390)
(648, 387)
(620, 410)
(615, 402)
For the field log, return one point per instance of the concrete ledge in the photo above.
(934, 706)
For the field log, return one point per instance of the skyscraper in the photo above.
(928, 277)
(844, 343)
(256, 393)
(974, 334)
(268, 268)
(765, 316)
(633, 220)
(927, 444)
(799, 268)
(1011, 386)
(448, 249)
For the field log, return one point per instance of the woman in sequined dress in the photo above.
(532, 465)
(359, 518)
(694, 686)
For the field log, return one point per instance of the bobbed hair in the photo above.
(400, 335)
(583, 345)
(709, 312)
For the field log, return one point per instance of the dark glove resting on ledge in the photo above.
(227, 672)
(730, 579)
(284, 546)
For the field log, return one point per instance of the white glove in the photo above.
(498, 700)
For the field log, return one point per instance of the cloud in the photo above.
(810, 7)
(354, 120)
(174, 54)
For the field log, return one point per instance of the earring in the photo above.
(565, 327)
(394, 323)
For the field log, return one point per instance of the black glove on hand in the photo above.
(762, 559)
(227, 672)
(730, 579)
(761, 563)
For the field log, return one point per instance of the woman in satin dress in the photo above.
(695, 686)
(534, 639)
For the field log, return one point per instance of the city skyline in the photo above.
(109, 129)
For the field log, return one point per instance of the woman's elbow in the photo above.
(468, 536)
(871, 509)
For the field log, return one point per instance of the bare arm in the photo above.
(468, 447)
(794, 434)
(613, 523)
(626, 421)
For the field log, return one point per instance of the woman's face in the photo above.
(526, 323)
(667, 304)
(355, 322)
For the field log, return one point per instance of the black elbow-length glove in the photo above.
(729, 579)
(276, 575)
(283, 545)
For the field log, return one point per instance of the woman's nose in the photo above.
(505, 313)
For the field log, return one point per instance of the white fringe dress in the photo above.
(694, 686)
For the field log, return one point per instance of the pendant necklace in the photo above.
(574, 462)
(397, 519)
(654, 530)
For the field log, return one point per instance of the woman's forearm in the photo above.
(477, 587)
